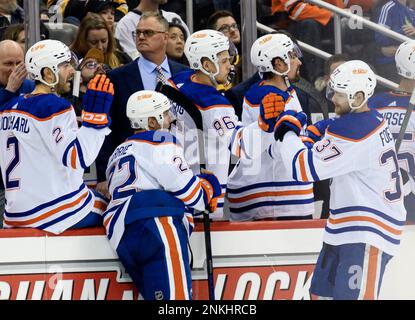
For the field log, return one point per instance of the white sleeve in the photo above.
(328, 158)
(176, 177)
(74, 148)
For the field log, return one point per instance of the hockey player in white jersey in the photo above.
(393, 105)
(367, 214)
(264, 188)
(44, 154)
(151, 183)
(208, 54)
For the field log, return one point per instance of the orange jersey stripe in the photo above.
(49, 213)
(371, 274)
(36, 118)
(100, 205)
(108, 220)
(356, 140)
(175, 260)
(73, 157)
(367, 219)
(271, 194)
(302, 167)
(191, 195)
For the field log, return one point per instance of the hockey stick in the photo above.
(179, 98)
(405, 121)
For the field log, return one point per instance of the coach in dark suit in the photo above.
(141, 74)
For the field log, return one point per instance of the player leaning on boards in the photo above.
(44, 154)
(393, 105)
(367, 214)
(208, 54)
(150, 183)
(264, 188)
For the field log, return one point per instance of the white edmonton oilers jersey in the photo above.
(223, 133)
(366, 198)
(263, 187)
(44, 155)
(393, 106)
(147, 161)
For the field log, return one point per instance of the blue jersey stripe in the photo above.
(271, 203)
(367, 209)
(186, 188)
(67, 215)
(197, 199)
(268, 184)
(44, 205)
(361, 228)
(311, 166)
(80, 154)
(114, 220)
(294, 167)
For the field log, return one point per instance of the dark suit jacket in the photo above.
(126, 80)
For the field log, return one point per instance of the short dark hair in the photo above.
(213, 19)
(334, 59)
(180, 26)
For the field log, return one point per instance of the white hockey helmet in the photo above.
(270, 46)
(144, 104)
(350, 78)
(405, 59)
(205, 44)
(46, 54)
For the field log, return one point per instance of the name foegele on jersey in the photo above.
(14, 123)
(386, 136)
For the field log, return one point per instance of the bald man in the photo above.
(12, 82)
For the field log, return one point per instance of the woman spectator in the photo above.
(175, 44)
(94, 32)
(105, 8)
(16, 33)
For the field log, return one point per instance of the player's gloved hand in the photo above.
(270, 108)
(289, 121)
(316, 131)
(97, 102)
(212, 190)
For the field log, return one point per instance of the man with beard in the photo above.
(208, 54)
(44, 154)
(264, 188)
(367, 213)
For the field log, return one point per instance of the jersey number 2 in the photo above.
(12, 142)
(118, 192)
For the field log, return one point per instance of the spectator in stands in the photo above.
(12, 82)
(175, 43)
(141, 74)
(73, 11)
(105, 8)
(330, 65)
(94, 32)
(224, 22)
(10, 13)
(305, 22)
(124, 32)
(91, 65)
(16, 33)
(395, 15)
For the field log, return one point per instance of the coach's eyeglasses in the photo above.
(226, 27)
(146, 33)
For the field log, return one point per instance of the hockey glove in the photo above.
(211, 190)
(97, 102)
(316, 131)
(270, 108)
(289, 121)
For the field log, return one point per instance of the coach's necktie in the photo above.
(160, 75)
